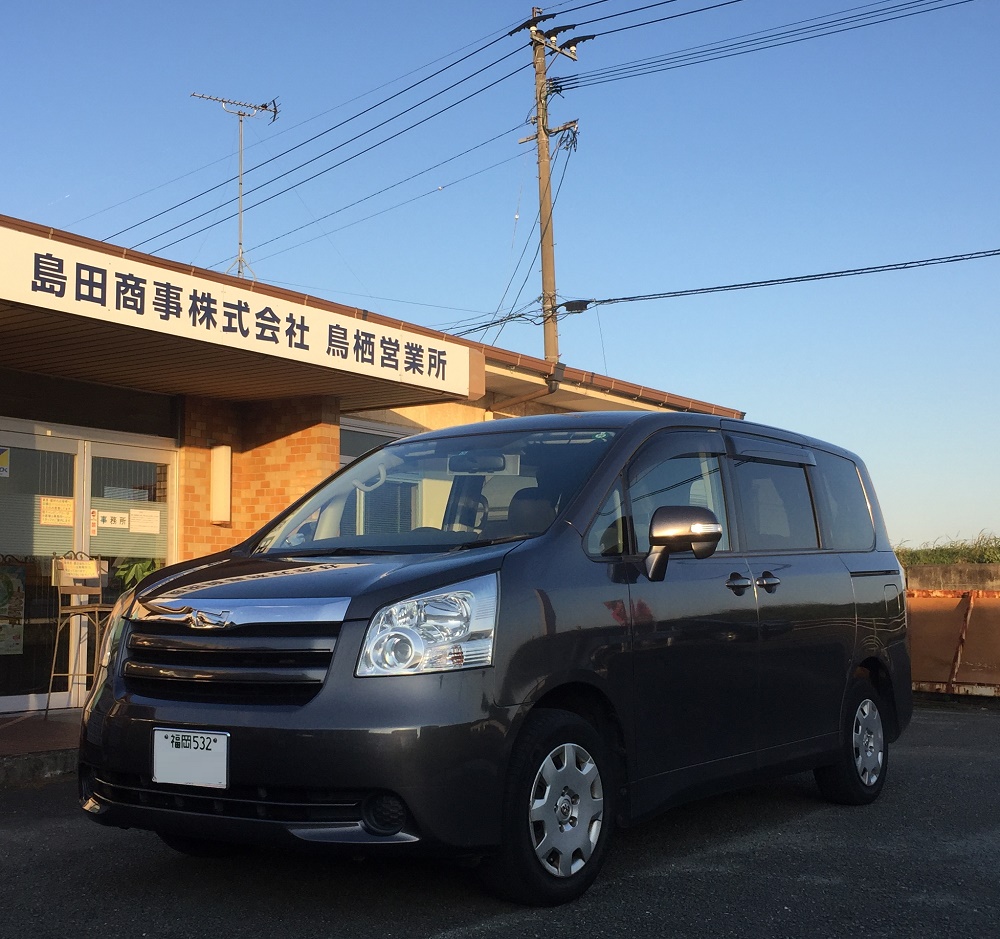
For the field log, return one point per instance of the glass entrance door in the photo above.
(128, 513)
(37, 487)
(61, 494)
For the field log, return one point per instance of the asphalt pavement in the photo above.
(771, 861)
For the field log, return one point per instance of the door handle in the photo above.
(739, 584)
(768, 581)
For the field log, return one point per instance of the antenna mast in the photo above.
(243, 109)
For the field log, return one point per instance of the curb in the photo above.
(35, 768)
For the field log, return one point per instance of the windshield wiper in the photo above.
(488, 541)
(341, 551)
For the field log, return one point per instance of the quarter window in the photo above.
(845, 521)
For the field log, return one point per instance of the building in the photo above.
(152, 411)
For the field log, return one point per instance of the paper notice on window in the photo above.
(11, 639)
(144, 522)
(53, 510)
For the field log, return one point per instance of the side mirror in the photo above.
(675, 528)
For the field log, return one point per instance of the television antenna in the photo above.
(242, 109)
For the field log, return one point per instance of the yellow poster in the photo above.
(54, 510)
(4, 462)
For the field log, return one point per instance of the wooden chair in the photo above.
(79, 582)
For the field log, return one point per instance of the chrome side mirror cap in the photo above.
(676, 528)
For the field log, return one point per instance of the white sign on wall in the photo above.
(83, 282)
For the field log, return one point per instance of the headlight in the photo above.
(433, 632)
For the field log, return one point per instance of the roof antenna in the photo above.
(242, 110)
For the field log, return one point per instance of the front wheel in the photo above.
(859, 773)
(558, 812)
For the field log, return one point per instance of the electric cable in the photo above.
(331, 129)
(766, 39)
(386, 189)
(391, 208)
(662, 19)
(574, 307)
(328, 169)
(805, 278)
(538, 248)
(527, 242)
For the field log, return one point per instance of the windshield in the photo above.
(443, 493)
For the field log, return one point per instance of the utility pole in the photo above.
(243, 110)
(543, 42)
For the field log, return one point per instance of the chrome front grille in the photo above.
(245, 651)
(240, 667)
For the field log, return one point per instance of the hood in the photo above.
(366, 583)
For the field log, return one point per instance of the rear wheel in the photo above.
(558, 812)
(859, 774)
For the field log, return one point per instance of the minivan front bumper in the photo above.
(350, 767)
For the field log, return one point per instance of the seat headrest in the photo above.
(529, 512)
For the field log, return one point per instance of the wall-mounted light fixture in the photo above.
(221, 486)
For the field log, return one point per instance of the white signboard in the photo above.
(83, 282)
(144, 521)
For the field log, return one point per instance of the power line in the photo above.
(612, 16)
(662, 19)
(391, 208)
(841, 21)
(805, 278)
(315, 137)
(389, 188)
(579, 306)
(328, 169)
(555, 201)
(302, 123)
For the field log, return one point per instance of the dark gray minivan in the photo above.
(500, 641)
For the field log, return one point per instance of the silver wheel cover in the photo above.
(566, 810)
(869, 743)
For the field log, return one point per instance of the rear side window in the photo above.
(845, 520)
(777, 509)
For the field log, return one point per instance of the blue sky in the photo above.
(873, 146)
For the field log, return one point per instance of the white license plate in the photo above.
(191, 757)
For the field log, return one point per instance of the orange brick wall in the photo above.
(280, 450)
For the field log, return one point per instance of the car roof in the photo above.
(639, 423)
(576, 420)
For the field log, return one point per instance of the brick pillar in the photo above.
(288, 447)
(281, 449)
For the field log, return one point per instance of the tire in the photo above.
(859, 774)
(198, 847)
(558, 812)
